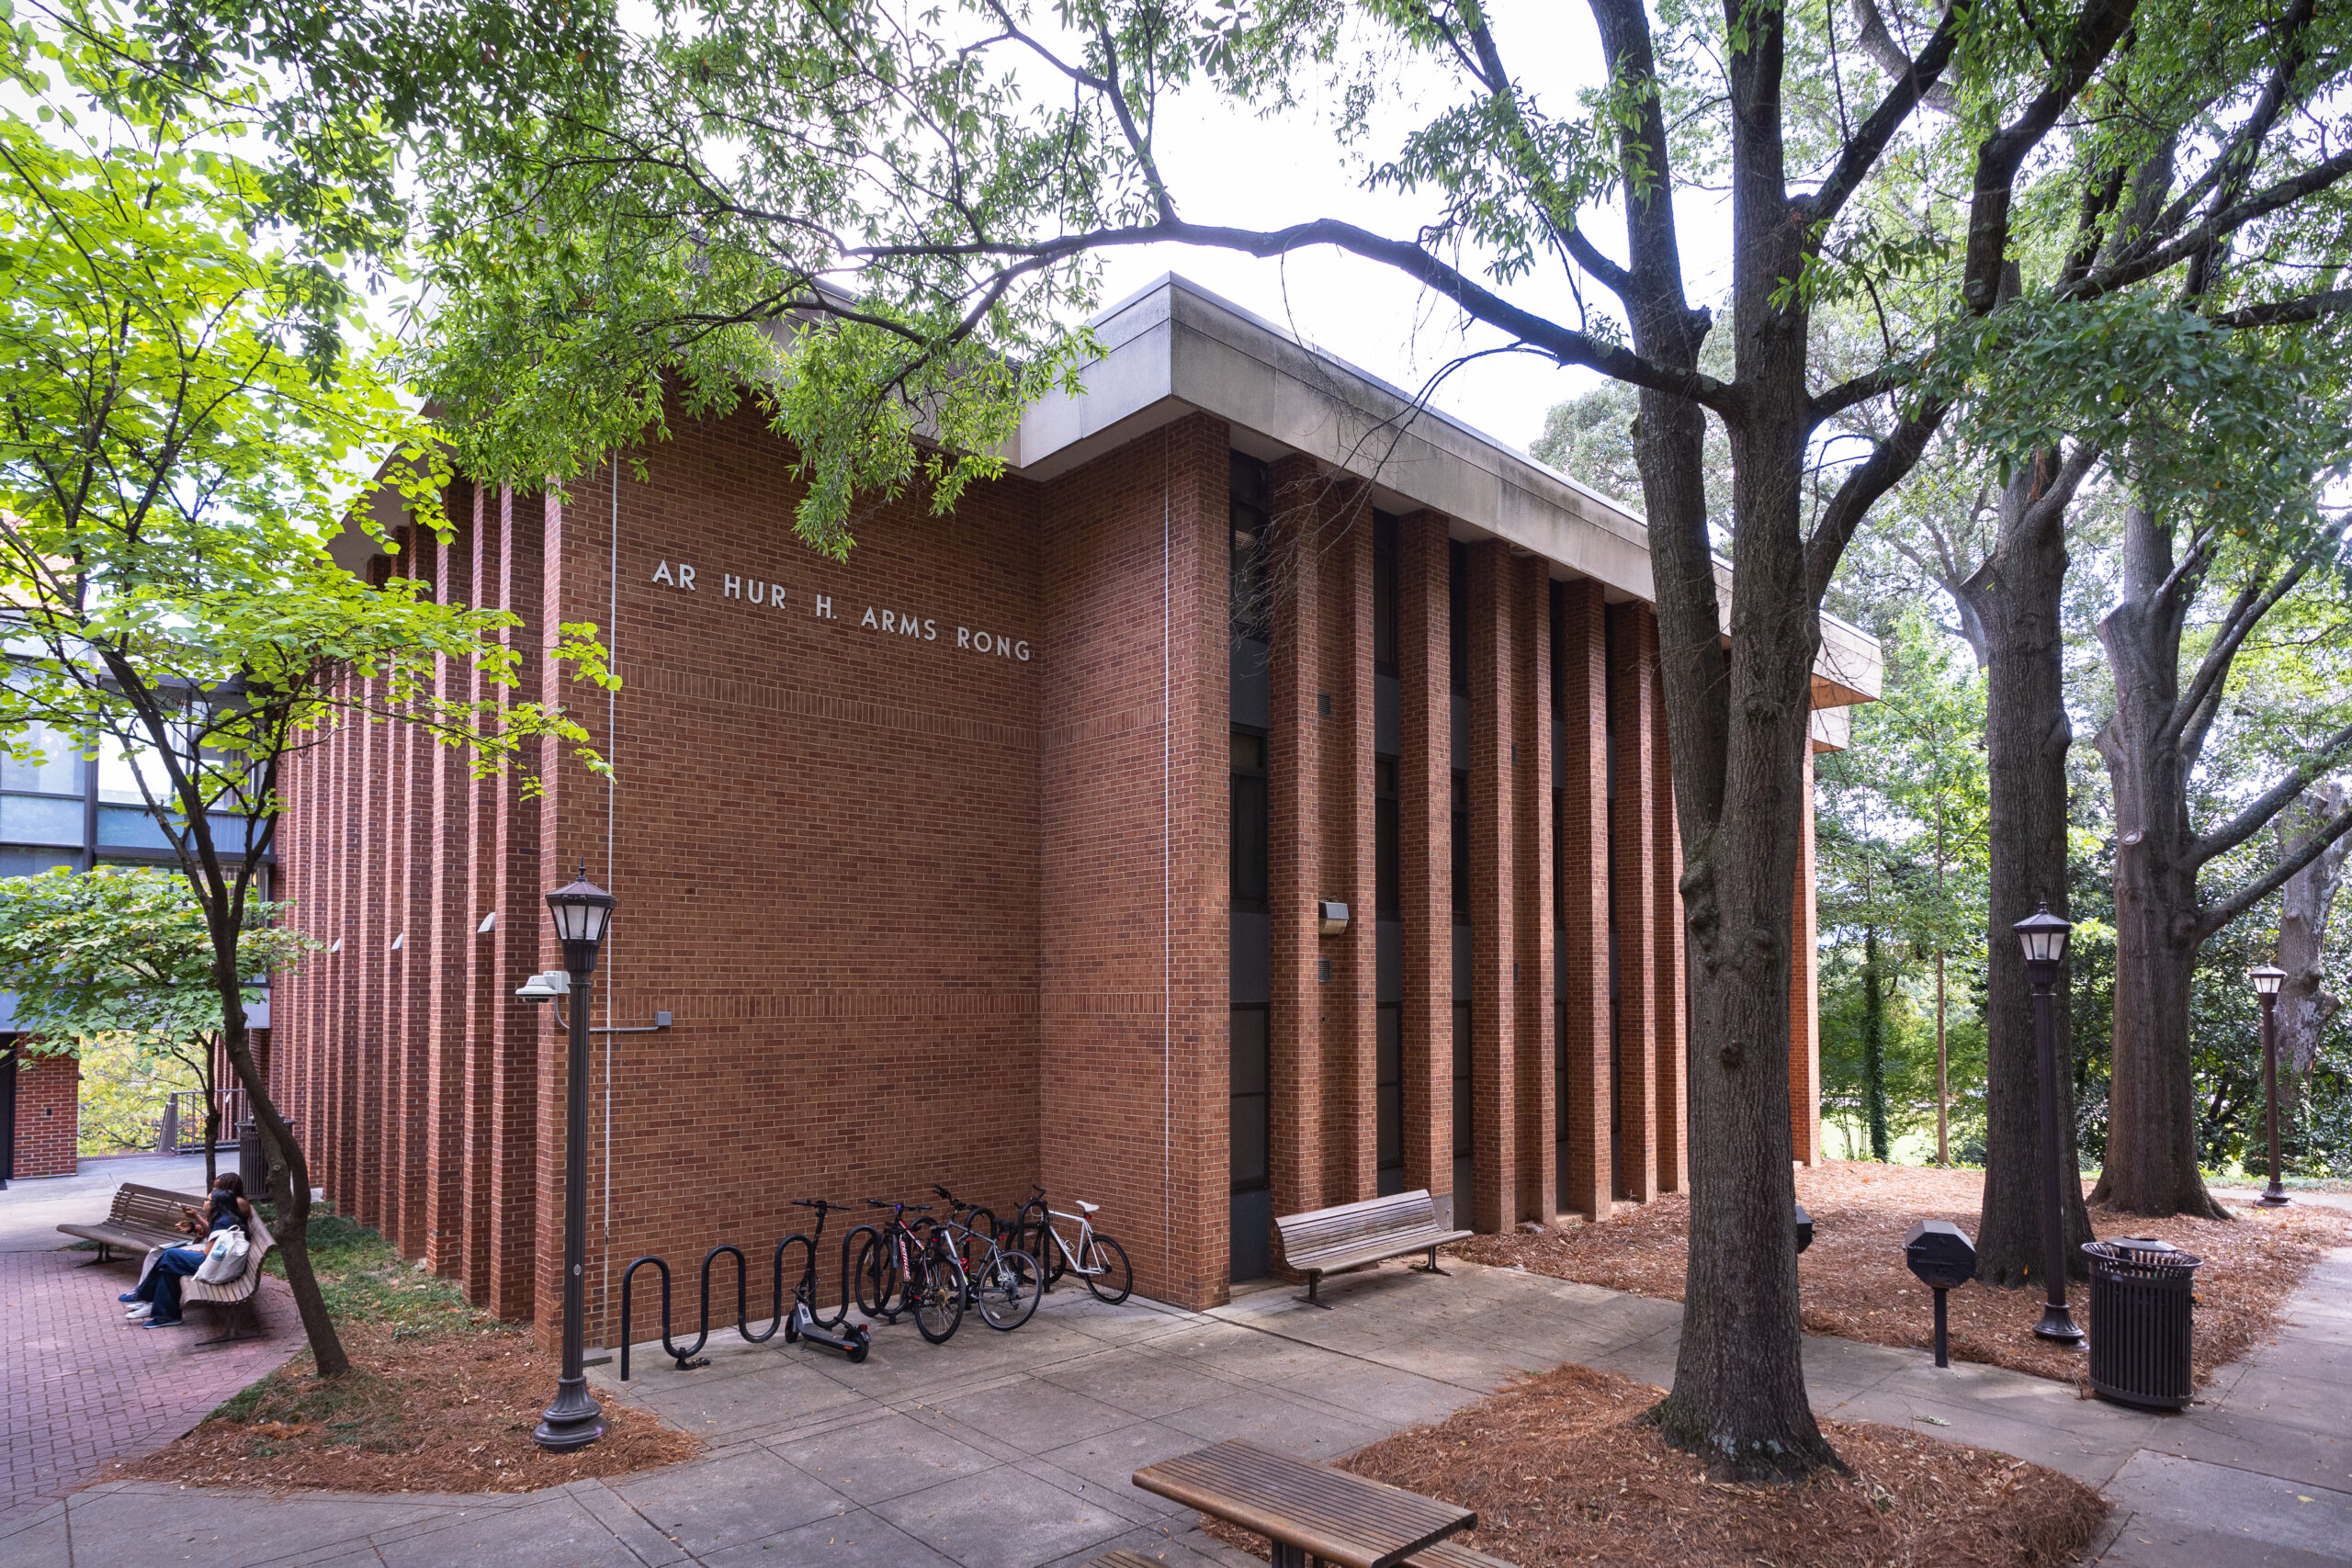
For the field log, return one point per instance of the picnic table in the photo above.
(1306, 1510)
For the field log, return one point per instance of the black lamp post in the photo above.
(2267, 981)
(2044, 936)
(582, 910)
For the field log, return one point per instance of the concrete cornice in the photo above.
(1173, 348)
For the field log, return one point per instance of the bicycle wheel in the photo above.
(1108, 1273)
(937, 1292)
(1007, 1287)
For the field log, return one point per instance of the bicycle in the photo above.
(1099, 1260)
(1001, 1281)
(807, 1322)
(900, 1271)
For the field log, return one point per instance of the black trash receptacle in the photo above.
(2141, 1300)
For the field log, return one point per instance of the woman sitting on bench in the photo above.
(157, 1297)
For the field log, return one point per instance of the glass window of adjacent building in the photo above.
(42, 759)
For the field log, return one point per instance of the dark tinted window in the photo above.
(1250, 819)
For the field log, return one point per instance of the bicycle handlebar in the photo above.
(822, 1205)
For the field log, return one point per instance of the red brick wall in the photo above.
(48, 1115)
(1588, 1185)
(1132, 1086)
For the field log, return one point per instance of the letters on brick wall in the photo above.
(894, 622)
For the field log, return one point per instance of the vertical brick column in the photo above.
(1532, 907)
(1425, 874)
(572, 829)
(1351, 1001)
(1673, 1005)
(1804, 1010)
(408, 1047)
(370, 947)
(449, 932)
(1494, 1004)
(1295, 863)
(1588, 1185)
(515, 1028)
(1633, 650)
(339, 1038)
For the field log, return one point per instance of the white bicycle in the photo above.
(1092, 1255)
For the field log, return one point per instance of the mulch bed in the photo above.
(438, 1411)
(1855, 1285)
(1561, 1470)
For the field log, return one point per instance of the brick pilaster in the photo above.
(1532, 908)
(514, 1028)
(1633, 648)
(409, 1048)
(1351, 1001)
(1588, 1185)
(449, 932)
(1494, 1001)
(1424, 789)
(1295, 861)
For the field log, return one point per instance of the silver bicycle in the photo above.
(1092, 1255)
(1003, 1281)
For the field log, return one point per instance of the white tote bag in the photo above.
(225, 1259)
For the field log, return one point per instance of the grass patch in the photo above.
(365, 1282)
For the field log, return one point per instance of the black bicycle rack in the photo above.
(802, 1321)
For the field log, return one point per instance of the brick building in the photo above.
(999, 853)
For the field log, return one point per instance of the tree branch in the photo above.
(2287, 312)
(1861, 151)
(2101, 26)
(2216, 916)
(2286, 193)
(2185, 729)
(2271, 802)
(1880, 472)
(1563, 344)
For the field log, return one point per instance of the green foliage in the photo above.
(365, 1281)
(1904, 841)
(124, 952)
(123, 1092)
(185, 427)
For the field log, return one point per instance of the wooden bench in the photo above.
(1305, 1511)
(141, 1218)
(239, 1318)
(1444, 1555)
(1325, 1241)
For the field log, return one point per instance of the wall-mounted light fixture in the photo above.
(1334, 918)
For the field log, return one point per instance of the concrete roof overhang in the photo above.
(1174, 348)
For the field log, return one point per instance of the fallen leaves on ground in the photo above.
(445, 1412)
(1560, 1471)
(1855, 1285)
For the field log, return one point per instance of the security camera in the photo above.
(545, 987)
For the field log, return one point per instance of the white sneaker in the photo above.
(143, 1309)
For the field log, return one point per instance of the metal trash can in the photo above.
(2141, 1299)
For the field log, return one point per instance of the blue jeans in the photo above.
(162, 1285)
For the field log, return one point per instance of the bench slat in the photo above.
(1453, 1554)
(1372, 1252)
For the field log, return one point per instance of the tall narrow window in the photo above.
(1249, 1128)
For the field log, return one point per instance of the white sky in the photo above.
(1229, 168)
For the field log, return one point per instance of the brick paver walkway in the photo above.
(80, 1387)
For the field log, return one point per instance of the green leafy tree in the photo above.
(181, 429)
(122, 955)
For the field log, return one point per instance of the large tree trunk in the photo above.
(2150, 1167)
(1738, 728)
(2306, 904)
(2016, 598)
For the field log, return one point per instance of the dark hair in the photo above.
(231, 1180)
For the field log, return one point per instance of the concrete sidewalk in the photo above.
(1004, 1451)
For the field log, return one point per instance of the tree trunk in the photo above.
(1739, 726)
(289, 1172)
(2150, 1167)
(1873, 1045)
(2306, 904)
(2016, 596)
